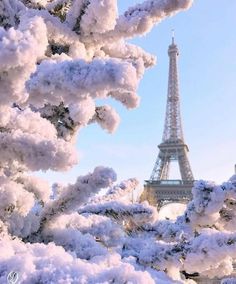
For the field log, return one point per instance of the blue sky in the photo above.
(206, 38)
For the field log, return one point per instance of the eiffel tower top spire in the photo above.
(172, 146)
(173, 36)
(173, 125)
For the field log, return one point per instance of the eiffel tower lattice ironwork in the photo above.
(173, 147)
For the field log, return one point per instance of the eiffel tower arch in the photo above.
(160, 189)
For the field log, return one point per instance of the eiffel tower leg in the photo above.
(156, 169)
(184, 166)
(166, 169)
(161, 168)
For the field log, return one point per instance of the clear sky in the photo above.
(206, 38)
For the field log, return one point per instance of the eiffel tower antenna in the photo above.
(173, 36)
(173, 147)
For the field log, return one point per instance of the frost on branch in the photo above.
(64, 267)
(70, 81)
(57, 60)
(139, 19)
(76, 194)
(19, 51)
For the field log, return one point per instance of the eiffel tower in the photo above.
(159, 189)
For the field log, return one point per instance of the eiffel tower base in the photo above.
(162, 192)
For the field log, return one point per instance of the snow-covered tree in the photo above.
(57, 58)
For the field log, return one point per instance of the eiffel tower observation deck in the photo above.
(159, 189)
